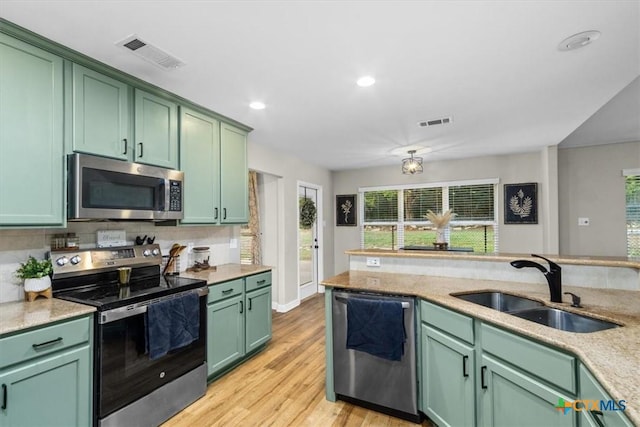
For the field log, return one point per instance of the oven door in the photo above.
(125, 373)
(103, 188)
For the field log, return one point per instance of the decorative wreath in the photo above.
(307, 213)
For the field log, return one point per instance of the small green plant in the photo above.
(33, 269)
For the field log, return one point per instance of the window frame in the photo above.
(401, 223)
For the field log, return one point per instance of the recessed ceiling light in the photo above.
(579, 40)
(366, 81)
(257, 105)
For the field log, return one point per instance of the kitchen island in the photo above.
(610, 355)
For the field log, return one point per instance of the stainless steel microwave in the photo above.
(102, 188)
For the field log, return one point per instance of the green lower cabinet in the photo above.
(49, 391)
(225, 329)
(258, 325)
(601, 409)
(448, 368)
(510, 398)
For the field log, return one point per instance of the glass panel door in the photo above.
(307, 241)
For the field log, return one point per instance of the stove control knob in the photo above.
(62, 261)
(146, 252)
(155, 252)
(75, 260)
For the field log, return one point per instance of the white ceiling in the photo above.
(492, 65)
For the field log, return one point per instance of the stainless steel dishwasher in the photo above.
(383, 385)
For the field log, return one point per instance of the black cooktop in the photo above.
(106, 295)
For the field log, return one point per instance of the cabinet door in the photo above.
(50, 391)
(258, 317)
(199, 160)
(225, 323)
(156, 130)
(100, 114)
(234, 192)
(447, 379)
(32, 162)
(508, 398)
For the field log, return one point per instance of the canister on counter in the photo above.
(200, 257)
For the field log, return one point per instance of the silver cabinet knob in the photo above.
(62, 261)
(75, 260)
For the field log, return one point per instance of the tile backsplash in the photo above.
(17, 245)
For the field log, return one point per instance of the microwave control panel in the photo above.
(175, 195)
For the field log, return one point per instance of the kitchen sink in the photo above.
(564, 320)
(536, 311)
(500, 301)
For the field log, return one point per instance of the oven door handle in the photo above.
(140, 308)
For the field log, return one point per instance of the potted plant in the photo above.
(35, 274)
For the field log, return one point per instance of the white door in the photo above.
(308, 239)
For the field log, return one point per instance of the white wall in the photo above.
(517, 168)
(289, 171)
(591, 185)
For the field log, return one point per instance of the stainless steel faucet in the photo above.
(553, 275)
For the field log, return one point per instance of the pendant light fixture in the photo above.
(412, 165)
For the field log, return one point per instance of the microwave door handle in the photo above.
(167, 195)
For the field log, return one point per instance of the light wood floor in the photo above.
(283, 385)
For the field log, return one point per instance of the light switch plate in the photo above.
(373, 262)
(583, 221)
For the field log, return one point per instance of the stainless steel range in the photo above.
(149, 336)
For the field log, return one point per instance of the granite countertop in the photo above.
(18, 315)
(611, 355)
(600, 261)
(226, 272)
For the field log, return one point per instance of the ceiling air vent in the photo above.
(434, 122)
(150, 53)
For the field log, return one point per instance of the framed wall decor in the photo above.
(521, 203)
(346, 210)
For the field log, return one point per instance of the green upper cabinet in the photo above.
(156, 130)
(213, 157)
(199, 157)
(234, 191)
(101, 112)
(32, 163)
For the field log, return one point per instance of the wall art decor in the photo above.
(521, 203)
(346, 210)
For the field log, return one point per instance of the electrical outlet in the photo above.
(233, 243)
(583, 221)
(373, 262)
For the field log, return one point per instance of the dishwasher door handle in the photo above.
(344, 301)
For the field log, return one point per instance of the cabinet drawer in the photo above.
(258, 281)
(225, 290)
(34, 343)
(549, 364)
(456, 324)
(590, 389)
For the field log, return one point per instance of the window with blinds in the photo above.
(632, 191)
(380, 219)
(395, 217)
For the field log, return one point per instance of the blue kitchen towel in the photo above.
(172, 324)
(376, 327)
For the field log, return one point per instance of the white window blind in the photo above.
(632, 190)
(417, 201)
(381, 206)
(472, 202)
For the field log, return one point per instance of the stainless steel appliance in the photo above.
(377, 383)
(130, 387)
(102, 188)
